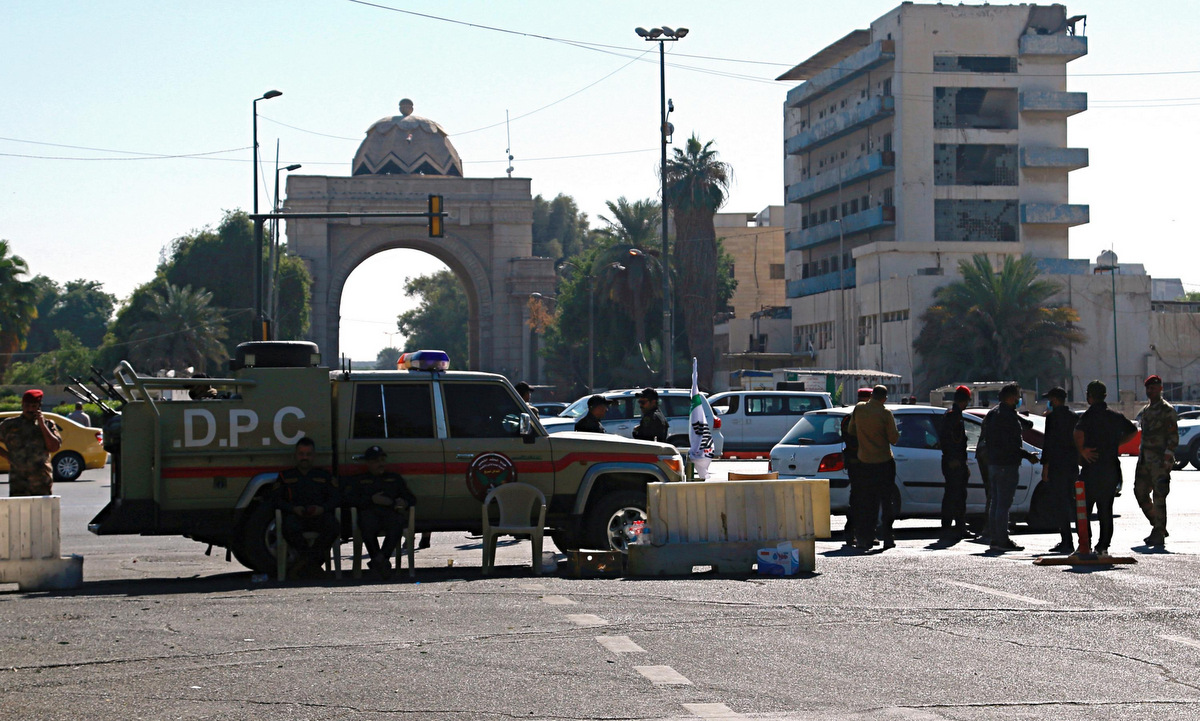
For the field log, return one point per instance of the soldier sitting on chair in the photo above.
(382, 499)
(307, 497)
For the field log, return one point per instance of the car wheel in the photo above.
(566, 540)
(612, 520)
(256, 546)
(68, 466)
(1195, 454)
(1179, 464)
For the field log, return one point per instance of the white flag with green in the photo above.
(699, 434)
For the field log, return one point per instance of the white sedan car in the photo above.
(813, 449)
(623, 415)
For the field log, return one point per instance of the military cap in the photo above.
(31, 395)
(962, 392)
(1056, 392)
(598, 401)
(1153, 380)
(649, 394)
(1097, 389)
(372, 453)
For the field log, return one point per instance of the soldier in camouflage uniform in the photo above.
(1152, 480)
(29, 439)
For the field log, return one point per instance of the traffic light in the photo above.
(436, 224)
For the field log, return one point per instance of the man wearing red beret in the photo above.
(29, 440)
(1152, 479)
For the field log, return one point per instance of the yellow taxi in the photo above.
(82, 448)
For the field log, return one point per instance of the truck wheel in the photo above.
(566, 540)
(611, 519)
(68, 466)
(256, 547)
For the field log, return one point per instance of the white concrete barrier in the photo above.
(723, 524)
(30, 547)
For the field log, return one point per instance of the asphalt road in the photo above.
(161, 631)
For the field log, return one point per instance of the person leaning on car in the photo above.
(653, 426)
(875, 428)
(590, 421)
(1002, 430)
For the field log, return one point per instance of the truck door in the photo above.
(398, 417)
(484, 446)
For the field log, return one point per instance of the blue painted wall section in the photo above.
(1050, 158)
(868, 58)
(841, 124)
(820, 283)
(852, 172)
(1054, 214)
(878, 217)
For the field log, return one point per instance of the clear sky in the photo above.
(126, 79)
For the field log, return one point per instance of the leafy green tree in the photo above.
(696, 187)
(386, 360)
(441, 317)
(1191, 296)
(183, 330)
(70, 358)
(18, 304)
(295, 298)
(631, 279)
(82, 307)
(637, 224)
(559, 230)
(996, 325)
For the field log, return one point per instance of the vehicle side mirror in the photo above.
(526, 428)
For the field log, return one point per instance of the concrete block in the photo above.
(30, 546)
(44, 574)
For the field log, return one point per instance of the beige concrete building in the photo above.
(937, 134)
(755, 331)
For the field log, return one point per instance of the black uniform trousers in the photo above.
(324, 525)
(1100, 486)
(1061, 479)
(956, 473)
(874, 501)
(376, 520)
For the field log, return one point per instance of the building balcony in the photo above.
(881, 216)
(821, 283)
(869, 58)
(1054, 158)
(1063, 47)
(1052, 102)
(842, 176)
(1054, 214)
(841, 124)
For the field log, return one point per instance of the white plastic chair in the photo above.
(515, 500)
(281, 547)
(406, 545)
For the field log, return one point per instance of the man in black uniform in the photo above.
(307, 496)
(1060, 465)
(1098, 438)
(850, 458)
(952, 439)
(382, 498)
(590, 421)
(653, 426)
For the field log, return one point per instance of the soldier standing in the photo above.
(307, 496)
(1152, 480)
(1060, 465)
(850, 458)
(589, 422)
(653, 426)
(30, 439)
(1098, 439)
(952, 438)
(382, 498)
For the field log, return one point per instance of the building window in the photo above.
(887, 196)
(853, 206)
(979, 221)
(974, 64)
(824, 217)
(866, 202)
(974, 164)
(979, 108)
(776, 271)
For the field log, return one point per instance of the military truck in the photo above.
(200, 467)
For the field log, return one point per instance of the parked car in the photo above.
(813, 449)
(1188, 415)
(623, 415)
(757, 420)
(1034, 436)
(549, 410)
(1188, 450)
(82, 448)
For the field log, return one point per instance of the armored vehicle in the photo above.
(195, 457)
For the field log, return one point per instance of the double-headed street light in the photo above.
(661, 36)
(260, 326)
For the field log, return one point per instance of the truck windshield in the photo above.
(815, 429)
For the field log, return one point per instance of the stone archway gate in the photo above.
(488, 244)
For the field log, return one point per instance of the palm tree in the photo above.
(996, 326)
(183, 330)
(635, 223)
(18, 304)
(696, 186)
(632, 280)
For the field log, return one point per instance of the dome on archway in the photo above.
(406, 144)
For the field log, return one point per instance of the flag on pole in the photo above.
(699, 435)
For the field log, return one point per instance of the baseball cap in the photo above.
(1056, 392)
(649, 394)
(1152, 380)
(598, 401)
(371, 454)
(31, 395)
(1097, 389)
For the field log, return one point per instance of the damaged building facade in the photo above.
(937, 134)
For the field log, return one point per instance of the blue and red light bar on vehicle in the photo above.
(424, 360)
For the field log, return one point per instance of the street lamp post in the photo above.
(273, 256)
(259, 325)
(1112, 269)
(661, 36)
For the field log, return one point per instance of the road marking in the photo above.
(619, 644)
(711, 711)
(558, 601)
(1184, 640)
(662, 675)
(586, 619)
(1004, 594)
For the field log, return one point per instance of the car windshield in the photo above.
(820, 429)
(576, 409)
